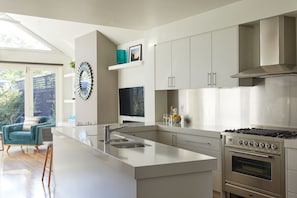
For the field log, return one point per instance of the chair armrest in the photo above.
(11, 128)
(44, 132)
(35, 129)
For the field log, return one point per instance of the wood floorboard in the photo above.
(21, 172)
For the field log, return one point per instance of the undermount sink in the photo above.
(116, 140)
(130, 145)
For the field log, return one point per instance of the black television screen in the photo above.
(132, 101)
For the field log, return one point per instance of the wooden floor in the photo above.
(21, 172)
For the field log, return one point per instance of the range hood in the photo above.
(277, 49)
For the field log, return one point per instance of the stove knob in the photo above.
(261, 145)
(256, 144)
(245, 142)
(251, 143)
(240, 142)
(267, 146)
(273, 146)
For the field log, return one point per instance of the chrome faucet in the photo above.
(107, 132)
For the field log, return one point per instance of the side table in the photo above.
(1, 141)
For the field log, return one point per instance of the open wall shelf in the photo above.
(126, 65)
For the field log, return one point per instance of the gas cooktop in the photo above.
(265, 132)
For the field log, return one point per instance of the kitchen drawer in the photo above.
(292, 159)
(292, 181)
(199, 141)
(292, 195)
(216, 154)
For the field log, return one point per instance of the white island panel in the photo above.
(84, 167)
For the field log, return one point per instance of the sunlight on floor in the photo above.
(21, 172)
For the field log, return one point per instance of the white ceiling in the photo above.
(60, 22)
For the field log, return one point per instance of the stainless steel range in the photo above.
(254, 162)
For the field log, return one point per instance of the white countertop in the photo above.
(155, 159)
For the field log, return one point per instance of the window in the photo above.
(27, 91)
(14, 35)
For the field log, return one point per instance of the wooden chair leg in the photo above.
(8, 147)
(37, 149)
(45, 161)
(48, 154)
(51, 164)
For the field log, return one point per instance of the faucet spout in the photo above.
(108, 131)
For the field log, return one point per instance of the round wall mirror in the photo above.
(84, 81)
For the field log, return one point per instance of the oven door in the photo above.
(252, 170)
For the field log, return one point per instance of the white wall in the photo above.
(234, 14)
(101, 106)
(133, 77)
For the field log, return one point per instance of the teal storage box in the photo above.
(121, 56)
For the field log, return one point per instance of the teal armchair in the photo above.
(14, 134)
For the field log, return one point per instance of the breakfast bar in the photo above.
(127, 167)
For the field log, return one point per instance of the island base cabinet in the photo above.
(80, 171)
(188, 185)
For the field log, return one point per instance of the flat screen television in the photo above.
(131, 101)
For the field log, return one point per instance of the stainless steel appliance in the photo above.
(254, 163)
(277, 41)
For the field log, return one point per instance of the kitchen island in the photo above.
(86, 167)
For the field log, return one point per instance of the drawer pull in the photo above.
(203, 143)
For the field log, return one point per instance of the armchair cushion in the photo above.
(29, 121)
(21, 135)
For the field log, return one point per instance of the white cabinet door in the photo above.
(163, 65)
(181, 63)
(200, 60)
(291, 171)
(225, 52)
(208, 146)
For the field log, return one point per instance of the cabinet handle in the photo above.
(208, 78)
(214, 78)
(173, 81)
(169, 81)
(203, 143)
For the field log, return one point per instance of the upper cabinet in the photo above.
(205, 60)
(214, 58)
(173, 65)
(201, 61)
(225, 56)
(163, 65)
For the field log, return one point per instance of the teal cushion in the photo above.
(20, 135)
(42, 119)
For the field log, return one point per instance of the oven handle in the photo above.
(252, 154)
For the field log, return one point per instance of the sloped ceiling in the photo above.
(60, 22)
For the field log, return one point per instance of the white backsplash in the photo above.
(273, 103)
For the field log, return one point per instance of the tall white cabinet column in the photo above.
(102, 106)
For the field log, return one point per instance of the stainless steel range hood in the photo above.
(277, 49)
